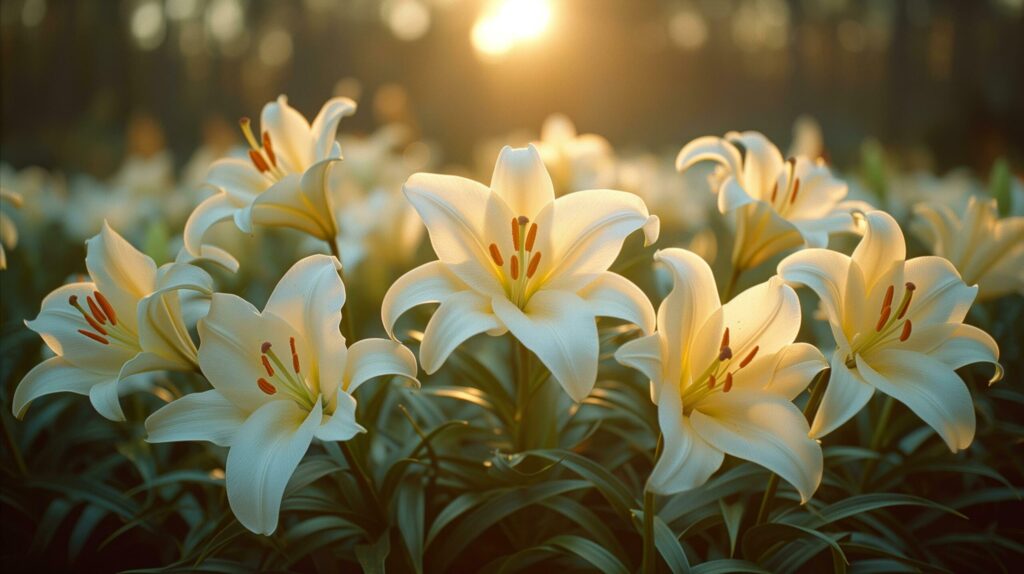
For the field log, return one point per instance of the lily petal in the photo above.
(584, 232)
(105, 399)
(325, 125)
(460, 215)
(264, 454)
(211, 211)
(428, 283)
(785, 373)
(766, 315)
(845, 395)
(710, 148)
(460, 316)
(341, 425)
(372, 358)
(881, 247)
(928, 387)
(687, 460)
(521, 179)
(285, 204)
(644, 355)
(238, 178)
(205, 416)
(290, 134)
(942, 296)
(122, 273)
(957, 345)
(612, 295)
(309, 297)
(54, 375)
(692, 301)
(825, 272)
(59, 323)
(763, 428)
(559, 328)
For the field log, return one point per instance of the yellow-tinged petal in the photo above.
(881, 247)
(845, 395)
(928, 387)
(460, 316)
(612, 295)
(123, 274)
(54, 375)
(559, 328)
(264, 454)
(687, 460)
(204, 416)
(521, 179)
(428, 283)
(290, 135)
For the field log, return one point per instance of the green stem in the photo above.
(877, 438)
(734, 279)
(346, 320)
(363, 479)
(650, 560)
(19, 461)
(522, 370)
(810, 410)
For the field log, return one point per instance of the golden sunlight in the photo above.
(504, 25)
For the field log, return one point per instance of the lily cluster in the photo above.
(529, 256)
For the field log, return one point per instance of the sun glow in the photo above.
(508, 23)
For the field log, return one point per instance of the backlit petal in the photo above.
(460, 316)
(845, 395)
(372, 358)
(428, 283)
(687, 460)
(881, 247)
(612, 295)
(205, 416)
(53, 376)
(122, 273)
(521, 179)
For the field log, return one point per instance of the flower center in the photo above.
(280, 378)
(262, 156)
(782, 202)
(102, 319)
(522, 265)
(719, 370)
(889, 327)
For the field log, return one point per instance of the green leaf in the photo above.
(728, 566)
(761, 542)
(1000, 181)
(617, 494)
(587, 520)
(589, 551)
(732, 514)
(456, 508)
(497, 509)
(741, 478)
(409, 511)
(667, 544)
(87, 522)
(855, 505)
(372, 556)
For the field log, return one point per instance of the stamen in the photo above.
(295, 355)
(269, 149)
(258, 161)
(515, 233)
(496, 255)
(711, 382)
(96, 311)
(108, 309)
(725, 339)
(247, 132)
(265, 347)
(750, 356)
(883, 318)
(94, 336)
(266, 365)
(888, 296)
(534, 262)
(724, 354)
(907, 327)
(515, 267)
(796, 189)
(73, 300)
(265, 386)
(906, 299)
(531, 236)
(775, 191)
(728, 383)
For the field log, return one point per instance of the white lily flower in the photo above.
(724, 377)
(514, 258)
(8, 231)
(898, 327)
(575, 161)
(284, 181)
(987, 251)
(781, 204)
(127, 320)
(280, 378)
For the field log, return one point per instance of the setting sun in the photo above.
(505, 24)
